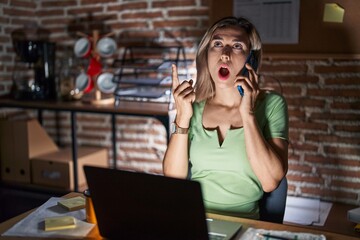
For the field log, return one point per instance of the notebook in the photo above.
(131, 205)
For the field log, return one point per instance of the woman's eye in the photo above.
(237, 46)
(217, 44)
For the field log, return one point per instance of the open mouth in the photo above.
(224, 73)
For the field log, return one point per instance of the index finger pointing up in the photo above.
(175, 78)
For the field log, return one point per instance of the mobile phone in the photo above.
(252, 60)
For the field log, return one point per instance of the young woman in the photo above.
(235, 145)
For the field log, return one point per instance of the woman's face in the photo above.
(227, 53)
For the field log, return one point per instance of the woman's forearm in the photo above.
(268, 161)
(176, 159)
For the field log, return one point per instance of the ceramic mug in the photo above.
(106, 47)
(82, 47)
(105, 82)
(84, 83)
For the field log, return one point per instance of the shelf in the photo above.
(144, 72)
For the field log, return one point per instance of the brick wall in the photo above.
(322, 91)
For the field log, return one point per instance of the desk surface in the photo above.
(124, 107)
(94, 234)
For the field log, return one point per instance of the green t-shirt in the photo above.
(228, 182)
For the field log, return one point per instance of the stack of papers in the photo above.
(306, 211)
(253, 233)
(34, 224)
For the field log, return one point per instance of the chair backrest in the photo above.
(272, 205)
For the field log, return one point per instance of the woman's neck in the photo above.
(226, 97)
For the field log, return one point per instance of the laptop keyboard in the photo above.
(216, 236)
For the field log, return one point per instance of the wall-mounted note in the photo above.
(333, 13)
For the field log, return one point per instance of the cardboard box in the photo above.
(21, 140)
(56, 169)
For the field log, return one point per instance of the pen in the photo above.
(268, 236)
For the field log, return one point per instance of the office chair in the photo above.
(272, 204)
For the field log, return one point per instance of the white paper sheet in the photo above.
(325, 208)
(303, 211)
(33, 224)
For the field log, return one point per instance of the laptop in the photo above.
(131, 205)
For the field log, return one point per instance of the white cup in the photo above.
(84, 83)
(82, 47)
(106, 47)
(105, 82)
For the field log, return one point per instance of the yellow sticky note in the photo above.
(72, 204)
(59, 223)
(333, 13)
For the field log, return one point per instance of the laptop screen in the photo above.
(132, 205)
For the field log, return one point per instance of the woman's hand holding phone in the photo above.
(184, 96)
(250, 89)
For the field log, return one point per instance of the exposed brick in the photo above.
(139, 15)
(333, 92)
(346, 105)
(336, 69)
(345, 184)
(91, 137)
(306, 102)
(184, 33)
(88, 2)
(55, 21)
(26, 4)
(173, 3)
(298, 79)
(291, 91)
(144, 35)
(335, 116)
(56, 4)
(301, 68)
(128, 25)
(4, 20)
(188, 12)
(305, 178)
(129, 5)
(336, 194)
(343, 81)
(18, 12)
(50, 12)
(317, 159)
(83, 10)
(326, 138)
(347, 128)
(342, 150)
(308, 125)
(299, 146)
(175, 23)
(300, 168)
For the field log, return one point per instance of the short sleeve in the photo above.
(277, 119)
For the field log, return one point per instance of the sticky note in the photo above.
(59, 223)
(72, 204)
(333, 13)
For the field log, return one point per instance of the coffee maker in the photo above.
(34, 67)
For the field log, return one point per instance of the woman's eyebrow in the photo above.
(219, 37)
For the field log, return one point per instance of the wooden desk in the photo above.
(156, 110)
(94, 234)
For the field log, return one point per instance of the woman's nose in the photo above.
(225, 56)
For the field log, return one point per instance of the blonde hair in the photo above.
(205, 87)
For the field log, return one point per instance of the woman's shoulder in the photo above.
(199, 105)
(269, 100)
(198, 108)
(269, 96)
